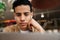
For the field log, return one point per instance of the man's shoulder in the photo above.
(11, 27)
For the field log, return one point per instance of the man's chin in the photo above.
(23, 26)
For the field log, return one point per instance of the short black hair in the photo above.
(22, 2)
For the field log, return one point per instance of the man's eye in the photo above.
(18, 14)
(26, 14)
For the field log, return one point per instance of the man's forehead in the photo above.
(22, 8)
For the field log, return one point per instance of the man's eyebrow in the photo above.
(18, 13)
(26, 12)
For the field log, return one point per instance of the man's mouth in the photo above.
(23, 24)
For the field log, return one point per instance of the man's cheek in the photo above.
(29, 20)
(17, 19)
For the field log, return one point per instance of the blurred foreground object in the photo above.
(29, 36)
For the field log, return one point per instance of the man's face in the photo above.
(23, 15)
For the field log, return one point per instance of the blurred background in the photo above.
(46, 13)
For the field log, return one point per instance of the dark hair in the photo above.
(22, 2)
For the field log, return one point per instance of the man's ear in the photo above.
(14, 14)
(31, 14)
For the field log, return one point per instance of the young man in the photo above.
(23, 14)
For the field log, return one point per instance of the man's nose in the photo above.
(22, 18)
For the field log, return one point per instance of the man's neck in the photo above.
(23, 29)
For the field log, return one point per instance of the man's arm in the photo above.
(37, 26)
